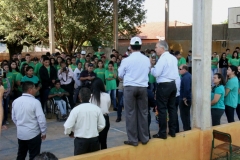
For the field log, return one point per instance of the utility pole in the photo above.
(51, 26)
(115, 24)
(166, 19)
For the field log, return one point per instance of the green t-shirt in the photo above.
(234, 62)
(37, 68)
(98, 54)
(181, 61)
(19, 78)
(229, 56)
(54, 90)
(232, 98)
(214, 60)
(33, 79)
(58, 67)
(151, 78)
(106, 64)
(5, 83)
(83, 61)
(72, 66)
(14, 72)
(30, 64)
(100, 74)
(110, 84)
(219, 90)
(10, 77)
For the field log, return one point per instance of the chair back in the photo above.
(225, 137)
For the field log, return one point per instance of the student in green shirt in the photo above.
(111, 84)
(181, 60)
(231, 93)
(228, 54)
(152, 79)
(99, 52)
(28, 61)
(73, 66)
(114, 60)
(100, 71)
(217, 103)
(53, 63)
(38, 66)
(57, 94)
(9, 74)
(14, 70)
(214, 65)
(32, 78)
(59, 60)
(82, 59)
(6, 97)
(235, 60)
(19, 78)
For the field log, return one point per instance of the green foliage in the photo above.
(26, 21)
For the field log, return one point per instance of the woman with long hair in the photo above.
(19, 78)
(103, 100)
(100, 71)
(231, 93)
(217, 102)
(223, 65)
(235, 60)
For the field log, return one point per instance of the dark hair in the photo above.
(45, 156)
(237, 48)
(48, 54)
(222, 55)
(23, 69)
(4, 61)
(28, 68)
(51, 61)
(222, 82)
(112, 55)
(234, 69)
(185, 67)
(10, 68)
(57, 81)
(42, 57)
(27, 85)
(99, 61)
(85, 94)
(111, 62)
(96, 88)
(176, 53)
(87, 56)
(27, 55)
(46, 59)
(227, 49)
(136, 47)
(234, 53)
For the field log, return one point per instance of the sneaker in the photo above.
(7, 122)
(118, 119)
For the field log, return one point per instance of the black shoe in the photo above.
(115, 109)
(130, 143)
(158, 136)
(172, 134)
(118, 119)
(144, 143)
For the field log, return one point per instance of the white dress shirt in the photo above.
(28, 116)
(85, 120)
(77, 73)
(166, 69)
(178, 83)
(65, 78)
(105, 102)
(134, 70)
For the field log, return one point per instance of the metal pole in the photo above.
(166, 19)
(51, 25)
(115, 24)
(201, 64)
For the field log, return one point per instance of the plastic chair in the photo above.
(226, 148)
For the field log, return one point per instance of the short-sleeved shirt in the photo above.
(14, 72)
(106, 64)
(54, 90)
(5, 83)
(100, 73)
(214, 60)
(72, 66)
(221, 91)
(36, 69)
(181, 61)
(33, 79)
(232, 98)
(110, 84)
(234, 62)
(152, 79)
(82, 60)
(19, 78)
(30, 64)
(229, 56)
(10, 77)
(98, 54)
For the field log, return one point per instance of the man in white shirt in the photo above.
(166, 72)
(84, 123)
(78, 83)
(30, 120)
(134, 72)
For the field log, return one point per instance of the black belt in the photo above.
(166, 82)
(105, 114)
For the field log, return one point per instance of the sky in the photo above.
(181, 10)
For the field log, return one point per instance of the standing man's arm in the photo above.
(1, 107)
(121, 69)
(69, 124)
(41, 120)
(157, 70)
(101, 122)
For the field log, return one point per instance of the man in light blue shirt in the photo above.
(166, 72)
(28, 116)
(134, 72)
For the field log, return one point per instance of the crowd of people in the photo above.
(136, 80)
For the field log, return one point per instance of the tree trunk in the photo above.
(14, 48)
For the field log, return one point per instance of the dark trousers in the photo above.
(136, 112)
(229, 111)
(166, 95)
(216, 116)
(185, 114)
(238, 111)
(33, 146)
(85, 145)
(44, 92)
(176, 105)
(120, 104)
(149, 122)
(190, 70)
(5, 109)
(103, 134)
(70, 89)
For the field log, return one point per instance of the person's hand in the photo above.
(185, 101)
(1, 91)
(43, 137)
(71, 135)
(53, 81)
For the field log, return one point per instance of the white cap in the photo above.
(136, 41)
(83, 52)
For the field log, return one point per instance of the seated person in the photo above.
(57, 93)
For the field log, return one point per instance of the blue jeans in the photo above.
(224, 73)
(113, 97)
(62, 106)
(214, 70)
(153, 86)
(5, 109)
(120, 104)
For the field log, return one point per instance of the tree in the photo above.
(26, 21)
